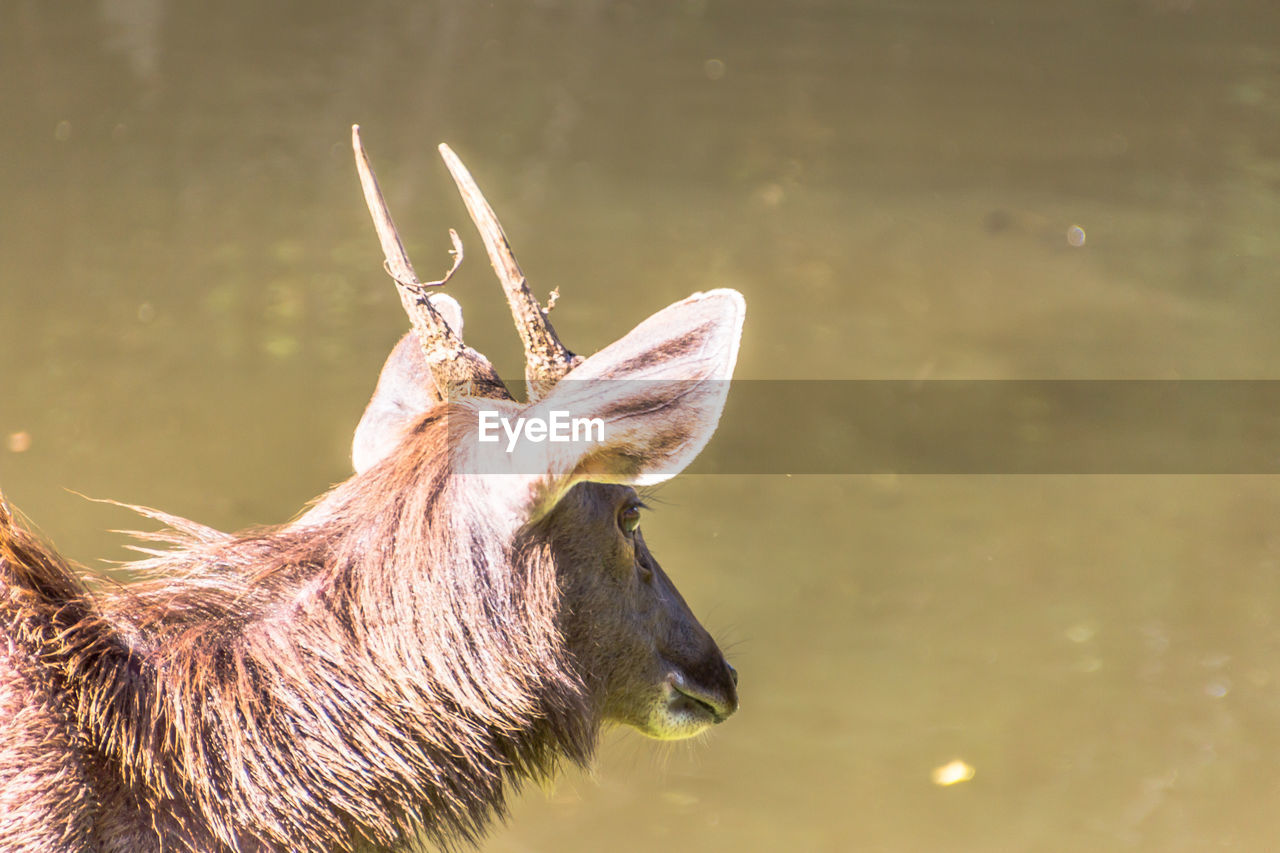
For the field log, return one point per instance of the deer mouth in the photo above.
(690, 708)
(686, 701)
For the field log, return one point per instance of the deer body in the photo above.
(386, 668)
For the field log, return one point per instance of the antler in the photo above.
(453, 364)
(546, 359)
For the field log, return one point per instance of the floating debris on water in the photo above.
(952, 773)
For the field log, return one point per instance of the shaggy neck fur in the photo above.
(386, 668)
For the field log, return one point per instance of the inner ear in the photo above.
(659, 393)
(650, 402)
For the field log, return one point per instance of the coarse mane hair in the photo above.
(386, 661)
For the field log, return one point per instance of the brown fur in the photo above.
(382, 669)
(392, 664)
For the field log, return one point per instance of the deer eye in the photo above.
(629, 519)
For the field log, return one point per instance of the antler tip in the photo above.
(452, 163)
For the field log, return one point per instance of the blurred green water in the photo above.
(192, 316)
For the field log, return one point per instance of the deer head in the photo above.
(657, 395)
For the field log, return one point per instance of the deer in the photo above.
(386, 669)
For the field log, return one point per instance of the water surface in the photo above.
(192, 315)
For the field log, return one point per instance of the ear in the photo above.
(657, 393)
(405, 392)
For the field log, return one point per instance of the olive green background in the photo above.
(192, 316)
